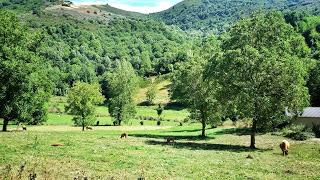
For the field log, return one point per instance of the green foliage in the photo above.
(297, 132)
(122, 83)
(190, 87)
(82, 51)
(219, 15)
(81, 101)
(151, 94)
(263, 69)
(24, 79)
(24, 5)
(314, 85)
(309, 26)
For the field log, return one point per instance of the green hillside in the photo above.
(83, 42)
(217, 15)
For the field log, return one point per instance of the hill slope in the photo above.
(82, 43)
(217, 15)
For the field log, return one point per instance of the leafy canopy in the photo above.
(25, 84)
(122, 84)
(263, 69)
(190, 87)
(82, 99)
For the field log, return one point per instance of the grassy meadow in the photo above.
(101, 153)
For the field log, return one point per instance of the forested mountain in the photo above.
(83, 42)
(217, 15)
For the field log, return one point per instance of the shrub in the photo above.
(158, 123)
(297, 132)
(299, 136)
(151, 94)
(316, 130)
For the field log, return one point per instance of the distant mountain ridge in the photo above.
(217, 15)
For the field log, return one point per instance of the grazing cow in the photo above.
(124, 135)
(89, 128)
(170, 139)
(56, 145)
(285, 147)
(24, 127)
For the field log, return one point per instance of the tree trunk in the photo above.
(203, 134)
(5, 124)
(203, 122)
(83, 122)
(253, 134)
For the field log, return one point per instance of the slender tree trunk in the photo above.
(253, 134)
(5, 124)
(203, 121)
(203, 134)
(83, 122)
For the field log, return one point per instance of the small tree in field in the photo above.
(263, 70)
(81, 101)
(121, 86)
(159, 111)
(151, 94)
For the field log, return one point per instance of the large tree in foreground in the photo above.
(263, 70)
(82, 99)
(24, 83)
(121, 86)
(191, 88)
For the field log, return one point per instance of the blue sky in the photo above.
(143, 6)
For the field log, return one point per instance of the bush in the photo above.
(297, 132)
(316, 130)
(151, 94)
(299, 136)
(158, 123)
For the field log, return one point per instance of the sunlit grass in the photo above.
(101, 154)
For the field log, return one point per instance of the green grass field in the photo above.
(101, 154)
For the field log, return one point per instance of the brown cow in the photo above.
(285, 145)
(124, 135)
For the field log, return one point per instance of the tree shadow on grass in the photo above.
(189, 130)
(174, 106)
(175, 137)
(206, 146)
(145, 103)
(235, 131)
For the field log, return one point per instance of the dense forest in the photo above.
(83, 50)
(217, 15)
